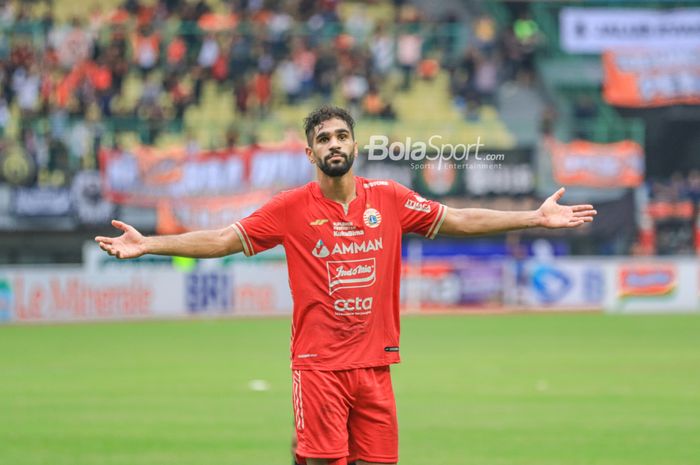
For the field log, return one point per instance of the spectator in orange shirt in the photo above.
(176, 55)
(100, 75)
(372, 104)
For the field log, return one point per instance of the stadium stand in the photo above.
(214, 75)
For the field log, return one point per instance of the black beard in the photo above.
(337, 170)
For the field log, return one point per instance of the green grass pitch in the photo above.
(482, 390)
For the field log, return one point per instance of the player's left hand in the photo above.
(552, 215)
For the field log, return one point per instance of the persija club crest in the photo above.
(372, 218)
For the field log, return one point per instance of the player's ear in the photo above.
(355, 149)
(310, 154)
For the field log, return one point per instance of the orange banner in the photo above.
(174, 217)
(583, 163)
(147, 176)
(651, 78)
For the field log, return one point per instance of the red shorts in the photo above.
(345, 414)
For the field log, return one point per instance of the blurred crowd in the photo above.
(71, 87)
(680, 187)
(65, 82)
(493, 57)
(674, 208)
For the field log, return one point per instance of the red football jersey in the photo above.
(344, 267)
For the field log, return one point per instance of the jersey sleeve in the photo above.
(264, 228)
(418, 215)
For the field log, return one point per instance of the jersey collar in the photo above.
(358, 200)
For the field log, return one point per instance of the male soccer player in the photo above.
(342, 236)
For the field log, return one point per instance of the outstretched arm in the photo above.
(197, 244)
(473, 221)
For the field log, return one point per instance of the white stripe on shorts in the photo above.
(297, 399)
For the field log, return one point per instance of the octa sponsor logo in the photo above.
(352, 305)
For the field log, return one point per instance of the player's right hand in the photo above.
(131, 244)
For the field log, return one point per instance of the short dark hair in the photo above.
(325, 113)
